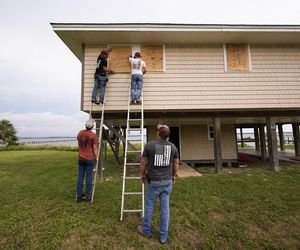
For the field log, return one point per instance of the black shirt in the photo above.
(101, 62)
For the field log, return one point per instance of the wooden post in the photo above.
(242, 139)
(281, 137)
(217, 146)
(262, 135)
(272, 144)
(105, 150)
(256, 137)
(100, 163)
(296, 138)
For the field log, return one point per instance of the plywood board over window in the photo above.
(237, 57)
(152, 55)
(118, 58)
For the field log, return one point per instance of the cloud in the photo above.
(46, 124)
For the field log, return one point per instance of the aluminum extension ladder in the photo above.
(99, 131)
(135, 117)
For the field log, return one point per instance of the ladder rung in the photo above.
(134, 151)
(135, 119)
(132, 210)
(134, 129)
(132, 193)
(135, 109)
(133, 164)
(132, 178)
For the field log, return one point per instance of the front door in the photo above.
(174, 137)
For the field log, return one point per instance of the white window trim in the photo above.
(164, 58)
(135, 48)
(208, 132)
(249, 58)
(225, 57)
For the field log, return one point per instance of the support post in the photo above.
(256, 138)
(296, 138)
(242, 139)
(100, 163)
(262, 135)
(281, 137)
(272, 144)
(217, 145)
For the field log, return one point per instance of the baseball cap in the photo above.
(90, 123)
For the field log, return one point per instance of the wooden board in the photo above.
(152, 55)
(237, 57)
(118, 58)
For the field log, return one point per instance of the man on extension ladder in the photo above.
(138, 69)
(100, 77)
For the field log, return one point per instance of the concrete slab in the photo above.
(286, 155)
(186, 171)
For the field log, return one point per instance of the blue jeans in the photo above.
(161, 190)
(136, 86)
(85, 168)
(100, 82)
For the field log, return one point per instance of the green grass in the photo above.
(240, 209)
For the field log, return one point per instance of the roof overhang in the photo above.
(74, 35)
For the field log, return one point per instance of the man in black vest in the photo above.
(160, 160)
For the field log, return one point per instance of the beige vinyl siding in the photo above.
(195, 79)
(196, 146)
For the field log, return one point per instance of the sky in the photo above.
(40, 77)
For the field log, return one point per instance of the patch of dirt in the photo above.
(216, 217)
(71, 242)
(3, 240)
(192, 236)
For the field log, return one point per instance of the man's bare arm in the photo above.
(143, 166)
(95, 150)
(175, 168)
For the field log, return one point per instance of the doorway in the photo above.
(175, 137)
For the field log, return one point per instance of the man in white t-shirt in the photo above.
(138, 69)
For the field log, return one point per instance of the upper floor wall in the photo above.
(195, 78)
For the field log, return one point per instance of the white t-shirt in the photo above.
(137, 66)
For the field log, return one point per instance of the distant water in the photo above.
(72, 141)
(51, 141)
(134, 137)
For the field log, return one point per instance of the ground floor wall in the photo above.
(195, 143)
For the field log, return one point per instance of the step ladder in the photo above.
(99, 131)
(135, 122)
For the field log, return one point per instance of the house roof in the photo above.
(74, 35)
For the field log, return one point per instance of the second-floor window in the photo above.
(237, 57)
(152, 55)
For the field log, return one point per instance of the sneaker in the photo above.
(78, 200)
(132, 102)
(93, 101)
(140, 231)
(139, 102)
(163, 242)
(101, 102)
(97, 102)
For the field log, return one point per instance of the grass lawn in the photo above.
(251, 208)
